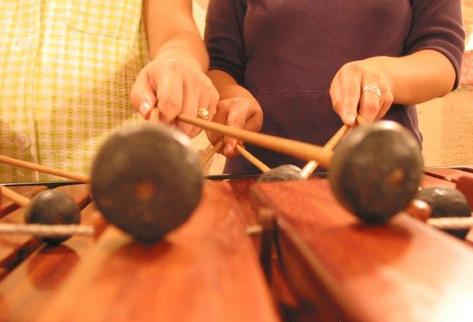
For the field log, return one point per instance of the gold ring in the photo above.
(203, 113)
(373, 89)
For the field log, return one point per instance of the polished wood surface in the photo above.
(402, 271)
(27, 290)
(209, 270)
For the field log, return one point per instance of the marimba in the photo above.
(312, 258)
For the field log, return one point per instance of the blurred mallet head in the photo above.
(376, 170)
(147, 180)
(52, 207)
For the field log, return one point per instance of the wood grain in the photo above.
(26, 291)
(205, 271)
(402, 271)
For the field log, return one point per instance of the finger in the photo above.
(254, 122)
(190, 104)
(220, 117)
(350, 97)
(142, 95)
(370, 101)
(208, 97)
(386, 101)
(336, 95)
(153, 116)
(170, 97)
(214, 99)
(237, 113)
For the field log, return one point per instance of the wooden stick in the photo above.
(301, 150)
(46, 230)
(453, 223)
(210, 153)
(44, 169)
(14, 196)
(311, 166)
(252, 159)
(244, 152)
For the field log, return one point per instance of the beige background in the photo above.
(446, 123)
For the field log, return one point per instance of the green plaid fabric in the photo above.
(66, 69)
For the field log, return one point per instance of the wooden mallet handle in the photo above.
(244, 152)
(44, 169)
(14, 196)
(46, 230)
(294, 148)
(252, 159)
(311, 166)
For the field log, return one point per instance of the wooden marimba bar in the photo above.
(208, 270)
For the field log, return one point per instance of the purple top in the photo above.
(287, 52)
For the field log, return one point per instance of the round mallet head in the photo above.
(286, 172)
(52, 207)
(147, 180)
(376, 170)
(446, 202)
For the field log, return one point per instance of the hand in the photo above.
(176, 86)
(241, 112)
(360, 87)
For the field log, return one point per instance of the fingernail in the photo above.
(144, 108)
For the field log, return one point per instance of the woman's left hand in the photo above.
(360, 88)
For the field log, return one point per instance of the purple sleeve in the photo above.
(437, 25)
(224, 37)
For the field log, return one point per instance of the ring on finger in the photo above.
(203, 113)
(372, 89)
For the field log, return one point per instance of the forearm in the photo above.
(172, 33)
(418, 77)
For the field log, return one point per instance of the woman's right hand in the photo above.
(240, 111)
(176, 86)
